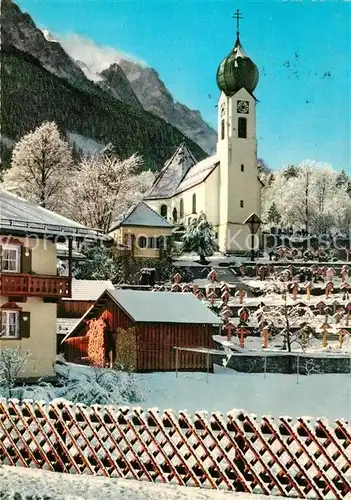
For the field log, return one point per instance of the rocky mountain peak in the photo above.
(156, 98)
(116, 83)
(19, 31)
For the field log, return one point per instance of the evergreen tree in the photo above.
(291, 172)
(99, 264)
(273, 215)
(199, 237)
(343, 180)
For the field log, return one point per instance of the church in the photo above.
(225, 186)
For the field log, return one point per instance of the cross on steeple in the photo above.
(237, 15)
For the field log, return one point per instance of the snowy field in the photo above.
(315, 395)
(17, 483)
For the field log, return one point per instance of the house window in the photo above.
(151, 243)
(242, 128)
(142, 241)
(164, 211)
(9, 327)
(10, 259)
(241, 203)
(222, 129)
(242, 168)
(181, 208)
(194, 203)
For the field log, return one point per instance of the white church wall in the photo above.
(211, 206)
(187, 197)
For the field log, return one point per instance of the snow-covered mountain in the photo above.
(106, 66)
(43, 78)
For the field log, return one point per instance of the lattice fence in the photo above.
(302, 457)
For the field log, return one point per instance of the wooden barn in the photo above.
(84, 294)
(146, 326)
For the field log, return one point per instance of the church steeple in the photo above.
(237, 70)
(239, 196)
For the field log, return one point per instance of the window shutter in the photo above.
(24, 324)
(26, 260)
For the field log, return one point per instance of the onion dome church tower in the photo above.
(240, 188)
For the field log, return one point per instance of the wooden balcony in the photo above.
(34, 285)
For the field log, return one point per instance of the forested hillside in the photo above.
(31, 95)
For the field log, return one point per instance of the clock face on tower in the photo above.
(242, 107)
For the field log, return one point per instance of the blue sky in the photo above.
(302, 49)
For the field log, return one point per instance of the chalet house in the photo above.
(147, 326)
(29, 285)
(143, 230)
(84, 294)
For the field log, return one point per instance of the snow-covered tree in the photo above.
(41, 166)
(104, 187)
(12, 362)
(307, 196)
(199, 237)
(284, 317)
(91, 386)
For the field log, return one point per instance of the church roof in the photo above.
(198, 173)
(173, 172)
(237, 71)
(140, 215)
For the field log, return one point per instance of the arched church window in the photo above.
(194, 203)
(175, 215)
(242, 128)
(164, 211)
(181, 208)
(222, 129)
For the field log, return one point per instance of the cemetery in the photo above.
(289, 317)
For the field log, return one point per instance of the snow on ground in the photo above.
(85, 144)
(316, 395)
(30, 483)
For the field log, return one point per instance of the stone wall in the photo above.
(286, 363)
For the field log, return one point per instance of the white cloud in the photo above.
(95, 57)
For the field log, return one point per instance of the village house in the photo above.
(142, 230)
(147, 326)
(29, 285)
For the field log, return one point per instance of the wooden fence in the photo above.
(292, 458)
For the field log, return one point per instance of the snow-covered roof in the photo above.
(18, 215)
(163, 307)
(173, 172)
(89, 290)
(141, 215)
(198, 173)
